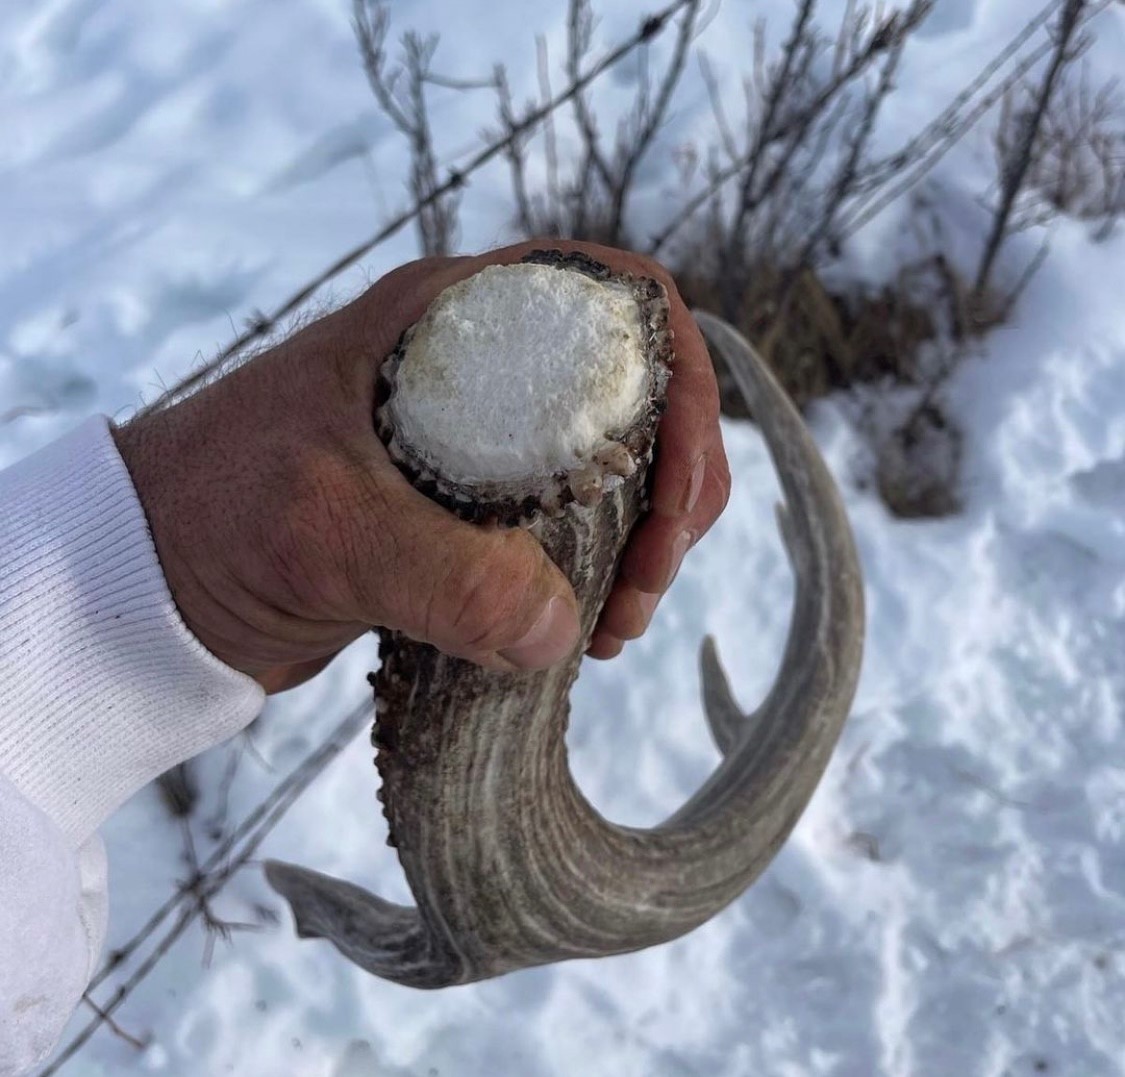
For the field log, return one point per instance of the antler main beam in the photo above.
(509, 863)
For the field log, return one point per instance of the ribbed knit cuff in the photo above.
(102, 686)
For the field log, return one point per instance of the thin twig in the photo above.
(407, 109)
(515, 154)
(783, 81)
(579, 32)
(1015, 169)
(633, 146)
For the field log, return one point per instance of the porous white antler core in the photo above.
(518, 371)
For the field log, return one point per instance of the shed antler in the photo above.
(509, 863)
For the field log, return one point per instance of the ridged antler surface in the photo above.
(508, 862)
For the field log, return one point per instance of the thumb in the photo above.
(488, 595)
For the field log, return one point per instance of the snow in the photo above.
(953, 902)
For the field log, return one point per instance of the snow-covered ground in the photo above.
(952, 903)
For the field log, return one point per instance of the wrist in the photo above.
(146, 447)
(105, 687)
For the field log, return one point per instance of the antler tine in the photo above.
(724, 716)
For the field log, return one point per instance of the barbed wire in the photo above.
(263, 324)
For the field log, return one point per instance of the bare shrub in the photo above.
(805, 140)
(799, 155)
(590, 201)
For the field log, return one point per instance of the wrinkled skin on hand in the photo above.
(285, 532)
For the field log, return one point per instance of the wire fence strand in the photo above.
(264, 324)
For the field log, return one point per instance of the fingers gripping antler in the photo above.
(509, 863)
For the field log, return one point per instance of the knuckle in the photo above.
(484, 596)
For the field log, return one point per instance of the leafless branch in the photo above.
(579, 34)
(401, 94)
(794, 103)
(113, 1026)
(1015, 167)
(516, 154)
(649, 114)
(889, 179)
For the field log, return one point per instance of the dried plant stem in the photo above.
(734, 250)
(821, 234)
(407, 109)
(1016, 168)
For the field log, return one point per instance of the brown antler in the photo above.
(509, 864)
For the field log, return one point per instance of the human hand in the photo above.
(285, 532)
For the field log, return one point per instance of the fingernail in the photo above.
(549, 640)
(683, 542)
(647, 602)
(695, 485)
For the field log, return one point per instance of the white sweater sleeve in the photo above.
(102, 687)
